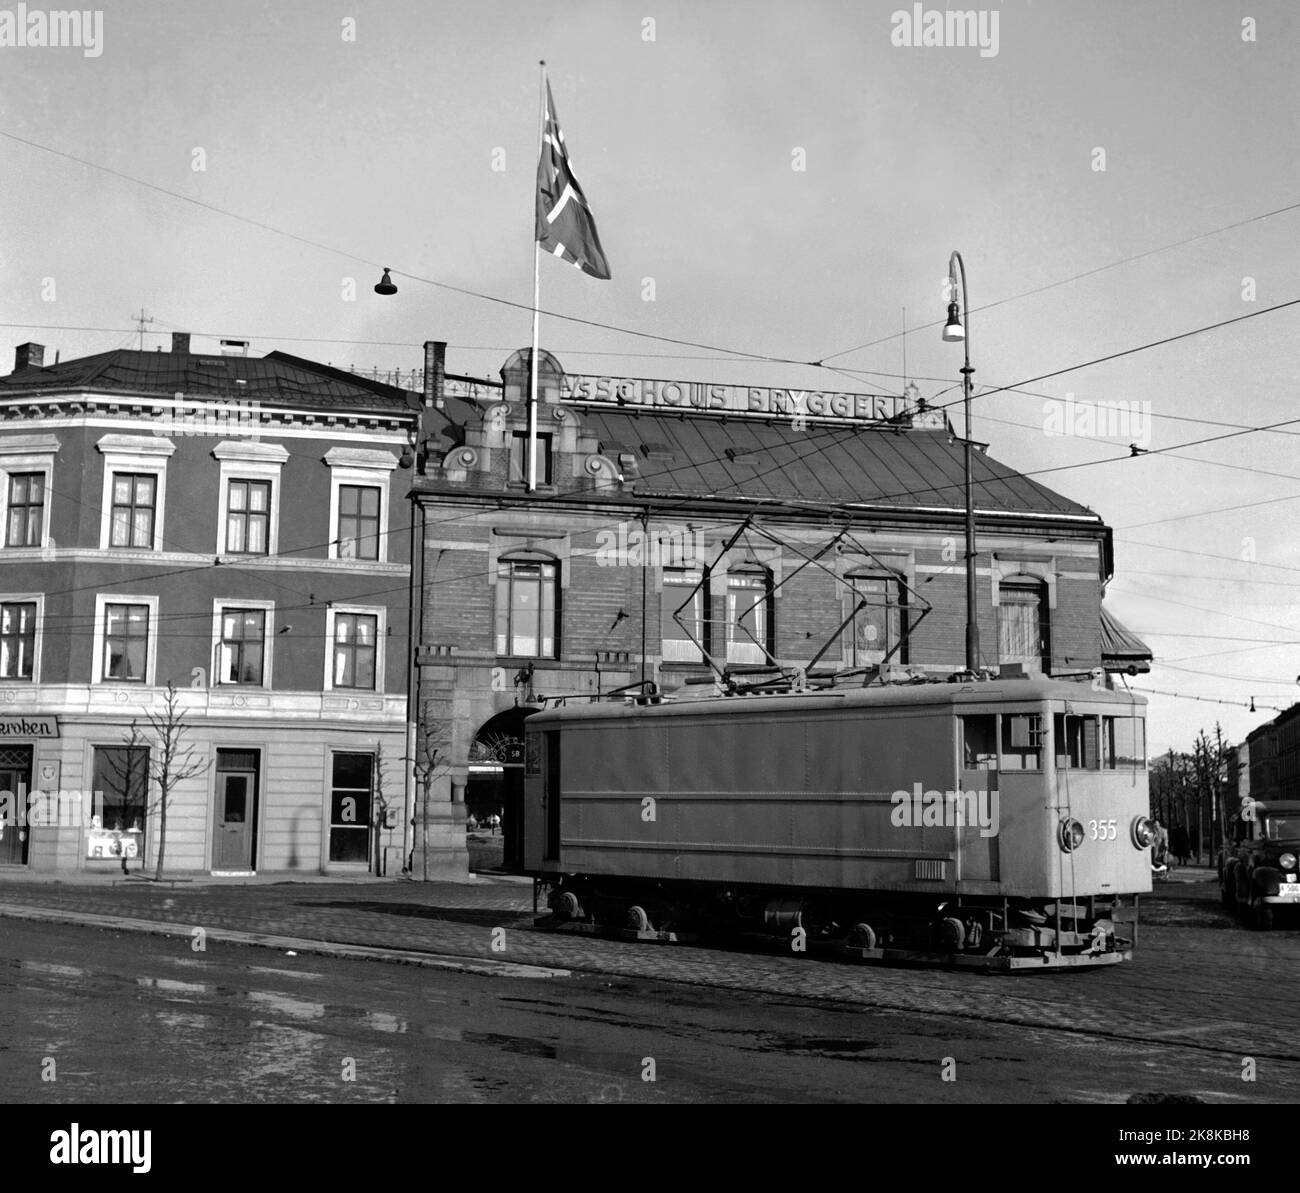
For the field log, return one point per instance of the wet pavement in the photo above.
(1203, 1001)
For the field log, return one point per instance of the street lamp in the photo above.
(956, 331)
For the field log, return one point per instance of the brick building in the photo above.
(680, 524)
(238, 526)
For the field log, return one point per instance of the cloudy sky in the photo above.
(1114, 174)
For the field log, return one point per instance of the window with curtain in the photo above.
(1023, 625)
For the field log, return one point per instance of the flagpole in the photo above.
(537, 290)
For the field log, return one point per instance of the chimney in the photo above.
(181, 341)
(29, 356)
(435, 368)
(234, 347)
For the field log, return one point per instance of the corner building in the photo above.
(239, 527)
(776, 533)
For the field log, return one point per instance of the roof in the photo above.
(277, 378)
(996, 691)
(1120, 647)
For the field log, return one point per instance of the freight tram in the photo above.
(1000, 824)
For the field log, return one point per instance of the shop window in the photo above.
(527, 599)
(682, 586)
(121, 790)
(1023, 627)
(26, 523)
(350, 794)
(749, 616)
(880, 625)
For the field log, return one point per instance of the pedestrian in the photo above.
(496, 823)
(1180, 844)
(1160, 846)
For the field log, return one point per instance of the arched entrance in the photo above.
(495, 783)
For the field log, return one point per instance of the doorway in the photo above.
(16, 779)
(235, 810)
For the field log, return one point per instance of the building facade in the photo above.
(683, 533)
(237, 528)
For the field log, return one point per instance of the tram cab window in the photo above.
(1076, 742)
(979, 738)
(1123, 742)
(1022, 741)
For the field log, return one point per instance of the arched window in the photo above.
(750, 635)
(880, 625)
(1023, 627)
(527, 601)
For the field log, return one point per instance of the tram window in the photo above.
(1076, 742)
(1022, 742)
(979, 736)
(1123, 743)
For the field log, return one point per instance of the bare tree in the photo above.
(171, 759)
(432, 758)
(379, 806)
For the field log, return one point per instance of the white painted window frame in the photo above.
(360, 466)
(28, 598)
(102, 601)
(250, 462)
(134, 454)
(219, 606)
(26, 453)
(381, 640)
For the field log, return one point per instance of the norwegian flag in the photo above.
(565, 225)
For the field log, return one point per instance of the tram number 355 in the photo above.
(1102, 830)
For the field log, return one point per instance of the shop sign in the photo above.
(11, 727)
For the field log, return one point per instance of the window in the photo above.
(17, 639)
(519, 458)
(121, 787)
(131, 522)
(1076, 742)
(355, 638)
(242, 649)
(979, 742)
(350, 807)
(526, 603)
(359, 504)
(126, 642)
(682, 586)
(358, 526)
(749, 621)
(1124, 743)
(880, 625)
(1023, 626)
(1023, 737)
(248, 517)
(26, 522)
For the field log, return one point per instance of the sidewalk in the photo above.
(447, 924)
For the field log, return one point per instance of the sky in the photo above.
(773, 183)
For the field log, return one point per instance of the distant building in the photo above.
(240, 527)
(681, 524)
(1262, 748)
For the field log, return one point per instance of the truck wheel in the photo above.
(1261, 914)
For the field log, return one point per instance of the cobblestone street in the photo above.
(1194, 970)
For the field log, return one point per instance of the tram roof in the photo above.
(996, 691)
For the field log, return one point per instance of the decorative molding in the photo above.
(135, 445)
(253, 452)
(28, 445)
(360, 457)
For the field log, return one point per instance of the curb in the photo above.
(322, 948)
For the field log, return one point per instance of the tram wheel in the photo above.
(862, 936)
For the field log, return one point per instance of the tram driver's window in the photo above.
(979, 742)
(1076, 742)
(1022, 741)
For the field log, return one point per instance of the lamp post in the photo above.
(956, 330)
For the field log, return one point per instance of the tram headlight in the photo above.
(1070, 835)
(1287, 861)
(1144, 833)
